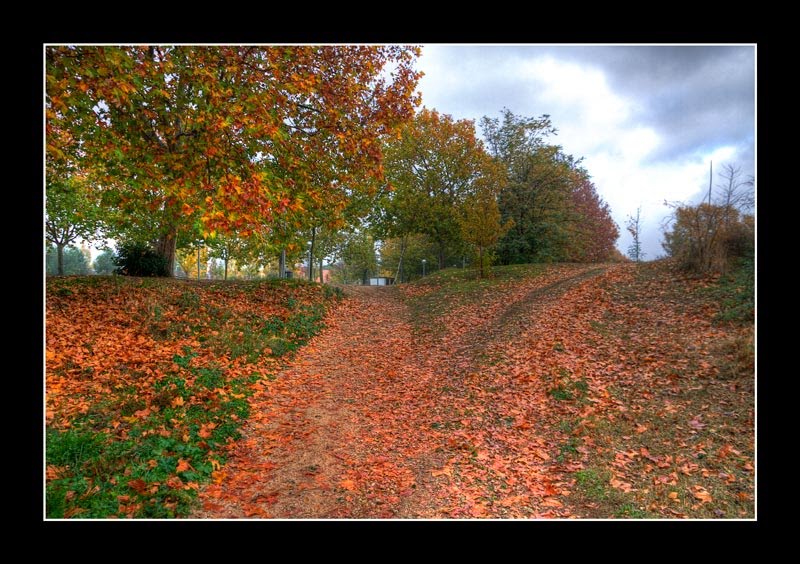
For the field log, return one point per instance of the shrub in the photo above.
(138, 259)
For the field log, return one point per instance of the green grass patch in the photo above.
(593, 483)
(99, 474)
(736, 293)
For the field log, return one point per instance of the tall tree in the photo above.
(594, 232)
(71, 214)
(538, 193)
(233, 137)
(358, 256)
(481, 226)
(432, 168)
(71, 261)
(104, 262)
(634, 227)
(735, 192)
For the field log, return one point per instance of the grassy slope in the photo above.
(660, 423)
(147, 383)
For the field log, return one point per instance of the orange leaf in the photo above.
(552, 502)
(620, 485)
(138, 484)
(177, 401)
(349, 485)
(175, 483)
(183, 466)
(701, 494)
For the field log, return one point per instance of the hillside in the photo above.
(148, 379)
(545, 391)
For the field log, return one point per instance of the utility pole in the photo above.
(710, 175)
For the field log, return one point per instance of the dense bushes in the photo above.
(709, 238)
(138, 259)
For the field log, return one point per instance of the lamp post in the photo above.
(310, 260)
(199, 246)
(423, 266)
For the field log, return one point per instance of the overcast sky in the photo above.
(647, 120)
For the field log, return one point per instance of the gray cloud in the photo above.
(694, 100)
(697, 98)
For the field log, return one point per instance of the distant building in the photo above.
(381, 281)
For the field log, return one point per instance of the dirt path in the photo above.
(376, 420)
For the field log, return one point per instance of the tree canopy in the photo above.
(231, 139)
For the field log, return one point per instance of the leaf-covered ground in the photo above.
(559, 391)
(147, 384)
(554, 391)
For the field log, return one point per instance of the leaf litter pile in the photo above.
(556, 391)
(147, 384)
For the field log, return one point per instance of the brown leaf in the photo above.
(552, 502)
(620, 485)
(701, 494)
(138, 484)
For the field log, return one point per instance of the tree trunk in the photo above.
(441, 257)
(321, 272)
(166, 246)
(399, 275)
(282, 264)
(480, 261)
(60, 259)
(311, 255)
(226, 267)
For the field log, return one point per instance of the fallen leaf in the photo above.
(620, 485)
(138, 484)
(183, 465)
(702, 494)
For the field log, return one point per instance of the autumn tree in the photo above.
(634, 226)
(556, 213)
(481, 226)
(228, 247)
(402, 256)
(433, 168)
(69, 261)
(234, 138)
(71, 214)
(358, 257)
(594, 230)
(708, 237)
(104, 262)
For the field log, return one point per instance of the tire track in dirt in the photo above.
(360, 423)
